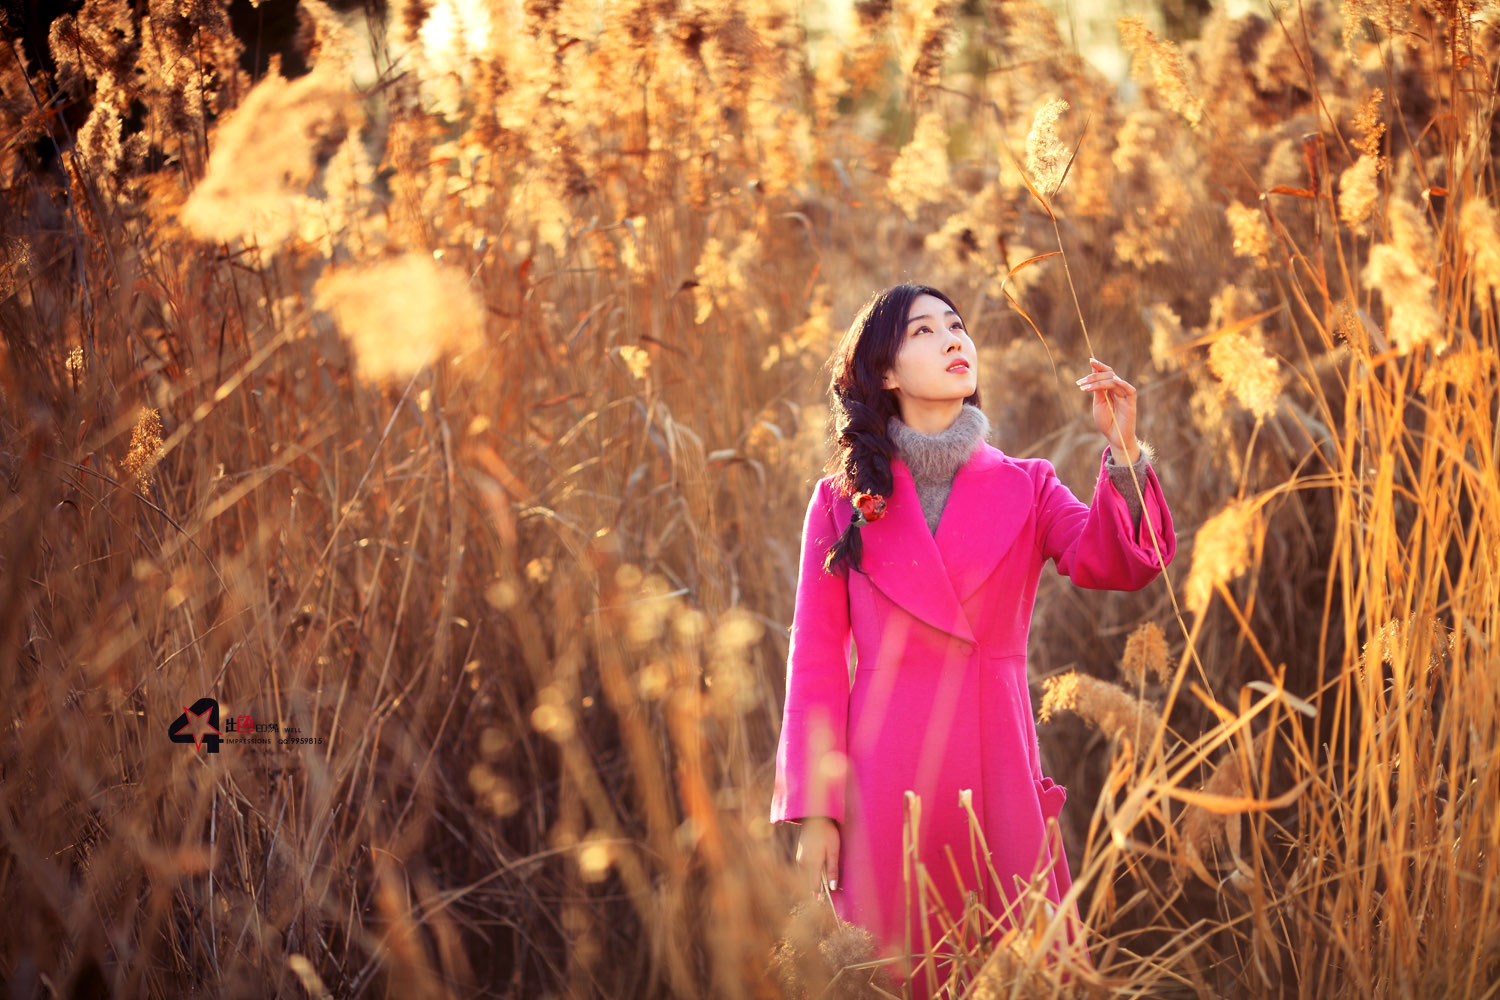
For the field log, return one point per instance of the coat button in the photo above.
(966, 648)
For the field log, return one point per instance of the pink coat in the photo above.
(939, 700)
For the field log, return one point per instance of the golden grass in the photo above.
(457, 407)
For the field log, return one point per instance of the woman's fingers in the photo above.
(1114, 400)
(1111, 387)
(1103, 379)
(1101, 373)
(813, 875)
(818, 852)
(1110, 384)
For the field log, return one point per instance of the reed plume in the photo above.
(1402, 271)
(1124, 718)
(1146, 654)
(401, 314)
(1221, 552)
(145, 447)
(1250, 375)
(474, 381)
(919, 176)
(1158, 62)
(1046, 156)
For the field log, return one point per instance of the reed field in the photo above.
(441, 394)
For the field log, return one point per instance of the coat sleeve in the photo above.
(810, 756)
(1096, 545)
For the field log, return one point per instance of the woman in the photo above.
(920, 556)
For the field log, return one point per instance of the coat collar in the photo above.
(931, 576)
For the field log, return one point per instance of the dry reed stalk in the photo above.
(1229, 779)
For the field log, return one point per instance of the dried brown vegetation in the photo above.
(456, 404)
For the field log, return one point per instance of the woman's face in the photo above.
(936, 362)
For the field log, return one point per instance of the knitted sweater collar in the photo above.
(934, 458)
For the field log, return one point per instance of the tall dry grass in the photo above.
(456, 402)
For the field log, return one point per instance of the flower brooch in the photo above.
(867, 507)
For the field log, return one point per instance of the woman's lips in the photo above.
(959, 366)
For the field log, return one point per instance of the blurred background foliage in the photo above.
(444, 380)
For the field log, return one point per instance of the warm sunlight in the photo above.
(760, 499)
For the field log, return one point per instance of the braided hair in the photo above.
(861, 407)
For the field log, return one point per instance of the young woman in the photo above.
(921, 553)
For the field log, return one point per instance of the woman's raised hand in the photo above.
(1114, 409)
(818, 851)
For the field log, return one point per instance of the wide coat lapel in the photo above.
(990, 503)
(902, 560)
(931, 576)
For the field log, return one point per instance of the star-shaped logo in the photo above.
(198, 726)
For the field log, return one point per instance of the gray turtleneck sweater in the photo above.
(934, 459)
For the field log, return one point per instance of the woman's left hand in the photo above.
(1114, 409)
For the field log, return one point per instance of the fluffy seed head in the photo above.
(145, 448)
(1046, 157)
(1479, 228)
(920, 174)
(934, 30)
(1349, 328)
(1146, 653)
(1166, 335)
(1401, 641)
(1369, 125)
(1108, 707)
(1251, 237)
(264, 156)
(1158, 63)
(1247, 371)
(1221, 552)
(813, 956)
(1468, 369)
(1402, 272)
(636, 359)
(1229, 779)
(1387, 18)
(1358, 191)
(400, 314)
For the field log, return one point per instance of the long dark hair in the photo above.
(861, 407)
